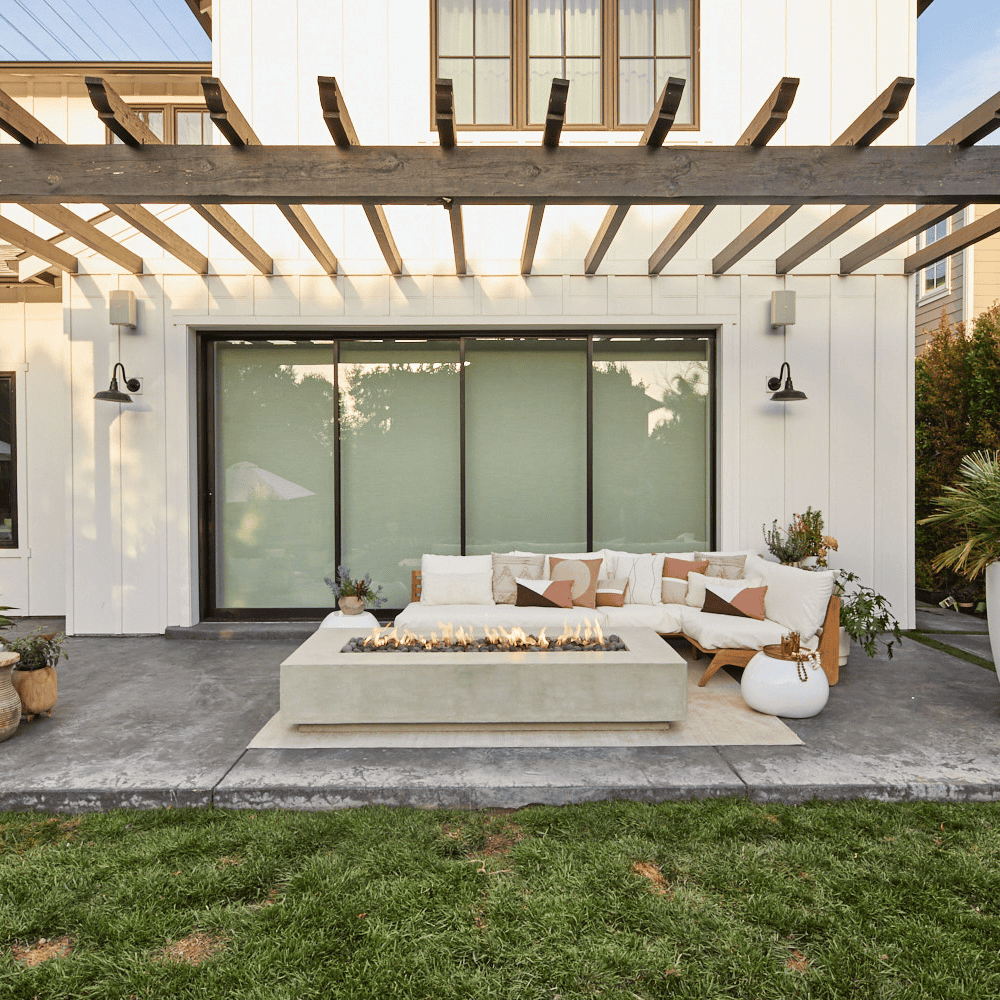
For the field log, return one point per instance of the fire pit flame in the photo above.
(460, 639)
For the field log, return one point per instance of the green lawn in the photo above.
(705, 899)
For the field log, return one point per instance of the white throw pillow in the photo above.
(795, 598)
(456, 564)
(456, 588)
(726, 589)
(643, 572)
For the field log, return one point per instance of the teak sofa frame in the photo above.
(829, 642)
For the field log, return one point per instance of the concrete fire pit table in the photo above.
(644, 686)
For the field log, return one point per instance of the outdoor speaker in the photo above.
(121, 311)
(782, 308)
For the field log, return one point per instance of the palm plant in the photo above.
(972, 504)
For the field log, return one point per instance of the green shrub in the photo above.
(957, 413)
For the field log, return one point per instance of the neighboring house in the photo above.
(347, 382)
(961, 286)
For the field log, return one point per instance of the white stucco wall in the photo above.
(131, 528)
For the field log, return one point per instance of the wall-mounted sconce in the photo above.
(782, 308)
(112, 394)
(789, 393)
(121, 309)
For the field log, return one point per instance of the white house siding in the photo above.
(132, 528)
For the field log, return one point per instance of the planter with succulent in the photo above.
(802, 543)
(10, 703)
(353, 594)
(34, 677)
(866, 617)
(972, 504)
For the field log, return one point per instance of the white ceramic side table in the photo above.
(337, 619)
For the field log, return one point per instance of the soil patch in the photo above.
(192, 950)
(42, 950)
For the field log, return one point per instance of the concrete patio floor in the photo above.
(159, 721)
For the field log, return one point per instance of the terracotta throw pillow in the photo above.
(507, 566)
(611, 594)
(675, 576)
(544, 594)
(582, 574)
(747, 603)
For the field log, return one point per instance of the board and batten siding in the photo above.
(986, 261)
(132, 491)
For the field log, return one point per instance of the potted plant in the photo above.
(353, 594)
(972, 504)
(802, 543)
(34, 677)
(865, 616)
(10, 703)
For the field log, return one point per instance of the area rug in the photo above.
(717, 716)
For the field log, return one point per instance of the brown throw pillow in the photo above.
(582, 574)
(544, 594)
(748, 603)
(680, 568)
(611, 593)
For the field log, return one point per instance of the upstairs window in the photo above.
(175, 124)
(503, 54)
(934, 277)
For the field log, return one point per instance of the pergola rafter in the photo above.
(758, 133)
(965, 132)
(18, 236)
(338, 121)
(444, 115)
(229, 120)
(863, 131)
(959, 239)
(554, 119)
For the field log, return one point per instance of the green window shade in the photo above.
(526, 445)
(274, 491)
(400, 453)
(651, 445)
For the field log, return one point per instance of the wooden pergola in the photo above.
(43, 174)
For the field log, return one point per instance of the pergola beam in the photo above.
(202, 10)
(958, 239)
(554, 118)
(757, 134)
(135, 133)
(338, 121)
(444, 112)
(230, 121)
(655, 132)
(867, 127)
(965, 132)
(30, 243)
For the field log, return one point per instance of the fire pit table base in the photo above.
(646, 684)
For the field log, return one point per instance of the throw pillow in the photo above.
(675, 574)
(544, 593)
(644, 574)
(796, 598)
(430, 563)
(726, 566)
(582, 574)
(610, 593)
(547, 570)
(745, 603)
(456, 588)
(673, 591)
(697, 582)
(507, 566)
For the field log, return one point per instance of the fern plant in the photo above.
(971, 504)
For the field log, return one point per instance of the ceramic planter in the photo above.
(993, 609)
(845, 646)
(351, 605)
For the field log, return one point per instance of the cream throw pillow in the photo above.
(644, 574)
(507, 566)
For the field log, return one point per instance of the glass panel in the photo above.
(540, 74)
(152, 118)
(526, 454)
(635, 91)
(492, 92)
(583, 103)
(673, 27)
(583, 28)
(545, 28)
(493, 28)
(8, 457)
(455, 27)
(459, 71)
(679, 68)
(274, 475)
(635, 27)
(194, 128)
(651, 445)
(399, 452)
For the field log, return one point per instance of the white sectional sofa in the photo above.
(795, 599)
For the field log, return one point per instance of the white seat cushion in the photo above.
(729, 632)
(430, 617)
(663, 618)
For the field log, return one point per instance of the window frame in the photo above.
(169, 111)
(610, 58)
(11, 379)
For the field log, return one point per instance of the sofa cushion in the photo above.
(728, 566)
(582, 575)
(455, 588)
(430, 563)
(421, 617)
(726, 632)
(673, 589)
(610, 593)
(797, 598)
(544, 593)
(665, 618)
(507, 566)
(698, 584)
(644, 574)
(745, 603)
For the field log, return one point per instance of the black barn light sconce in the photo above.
(112, 394)
(788, 393)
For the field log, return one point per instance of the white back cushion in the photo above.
(456, 588)
(795, 598)
(456, 564)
